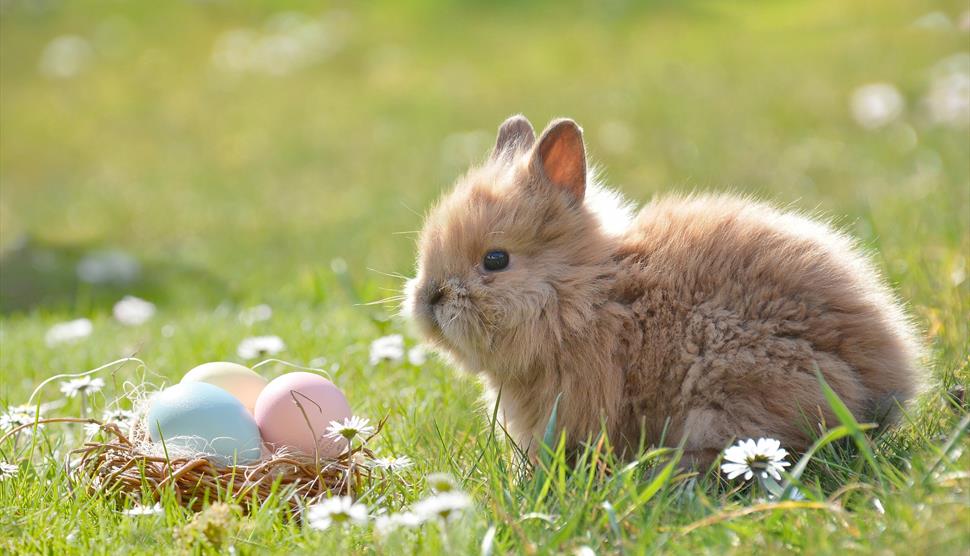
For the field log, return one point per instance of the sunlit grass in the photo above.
(300, 190)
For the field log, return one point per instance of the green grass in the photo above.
(234, 190)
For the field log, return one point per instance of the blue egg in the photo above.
(204, 419)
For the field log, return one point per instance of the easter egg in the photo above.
(234, 378)
(204, 419)
(294, 411)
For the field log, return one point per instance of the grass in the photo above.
(234, 189)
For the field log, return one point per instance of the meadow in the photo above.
(254, 169)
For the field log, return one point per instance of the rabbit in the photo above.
(698, 321)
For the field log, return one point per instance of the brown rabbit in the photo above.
(704, 317)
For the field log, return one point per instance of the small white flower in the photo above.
(108, 267)
(83, 385)
(65, 57)
(386, 524)
(584, 551)
(16, 416)
(349, 428)
(387, 348)
(70, 331)
(139, 510)
(948, 98)
(392, 463)
(255, 314)
(118, 416)
(339, 510)
(876, 105)
(934, 20)
(260, 346)
(441, 482)
(338, 266)
(749, 457)
(445, 506)
(876, 503)
(91, 429)
(418, 355)
(133, 311)
(7, 470)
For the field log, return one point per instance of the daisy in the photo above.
(417, 355)
(118, 416)
(948, 99)
(70, 331)
(108, 267)
(139, 510)
(133, 311)
(445, 506)
(349, 428)
(392, 463)
(441, 482)
(91, 429)
(84, 386)
(252, 315)
(748, 457)
(260, 346)
(7, 470)
(16, 416)
(876, 105)
(387, 348)
(339, 510)
(386, 524)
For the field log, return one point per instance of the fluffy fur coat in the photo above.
(703, 317)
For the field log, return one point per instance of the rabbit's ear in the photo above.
(561, 157)
(514, 134)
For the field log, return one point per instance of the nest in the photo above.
(129, 467)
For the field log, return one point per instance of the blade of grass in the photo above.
(848, 420)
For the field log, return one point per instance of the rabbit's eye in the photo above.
(496, 260)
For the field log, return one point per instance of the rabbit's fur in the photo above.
(702, 319)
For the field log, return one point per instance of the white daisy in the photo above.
(349, 428)
(445, 506)
(252, 315)
(108, 267)
(91, 429)
(749, 457)
(260, 346)
(118, 416)
(16, 416)
(392, 463)
(948, 98)
(66, 56)
(139, 510)
(84, 385)
(386, 524)
(7, 470)
(876, 105)
(876, 503)
(339, 510)
(387, 348)
(70, 331)
(418, 355)
(133, 311)
(441, 482)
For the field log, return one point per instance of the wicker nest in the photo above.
(123, 466)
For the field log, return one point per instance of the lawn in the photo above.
(212, 157)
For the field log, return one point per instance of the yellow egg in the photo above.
(234, 378)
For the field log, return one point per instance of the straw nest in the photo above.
(129, 465)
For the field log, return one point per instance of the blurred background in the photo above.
(203, 153)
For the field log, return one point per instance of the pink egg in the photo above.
(294, 410)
